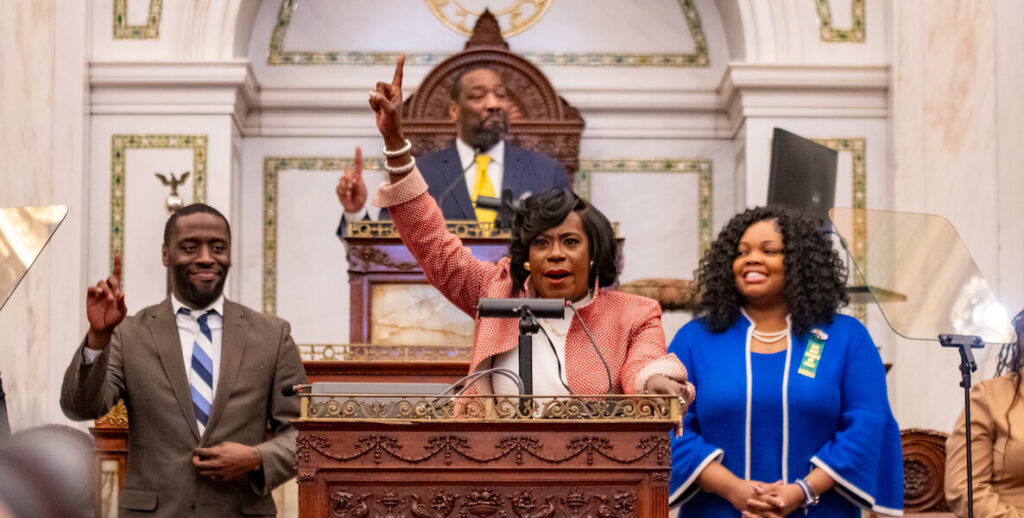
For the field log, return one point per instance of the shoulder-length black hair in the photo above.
(548, 209)
(815, 278)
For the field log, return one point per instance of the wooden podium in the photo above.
(363, 456)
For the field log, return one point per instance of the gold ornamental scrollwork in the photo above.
(369, 255)
(621, 408)
(117, 417)
(383, 353)
(517, 15)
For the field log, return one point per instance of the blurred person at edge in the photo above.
(793, 410)
(997, 445)
(561, 247)
(201, 378)
(47, 471)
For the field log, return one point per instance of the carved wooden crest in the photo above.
(540, 119)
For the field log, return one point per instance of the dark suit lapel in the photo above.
(232, 346)
(513, 175)
(458, 203)
(164, 329)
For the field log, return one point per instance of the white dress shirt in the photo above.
(548, 378)
(188, 328)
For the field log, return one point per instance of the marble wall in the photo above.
(42, 119)
(956, 130)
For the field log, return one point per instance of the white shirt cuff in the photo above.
(89, 355)
(355, 216)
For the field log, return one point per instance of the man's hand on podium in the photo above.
(105, 308)
(351, 188)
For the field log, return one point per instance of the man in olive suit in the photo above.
(201, 377)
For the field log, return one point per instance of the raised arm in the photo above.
(447, 264)
(94, 380)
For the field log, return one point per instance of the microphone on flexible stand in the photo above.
(291, 390)
(527, 311)
(504, 206)
(594, 344)
(458, 179)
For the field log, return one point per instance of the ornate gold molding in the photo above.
(382, 353)
(120, 145)
(702, 168)
(408, 407)
(517, 22)
(149, 31)
(116, 417)
(698, 58)
(857, 147)
(830, 34)
(462, 229)
(271, 168)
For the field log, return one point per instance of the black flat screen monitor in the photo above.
(803, 175)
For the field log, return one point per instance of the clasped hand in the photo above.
(761, 500)
(226, 461)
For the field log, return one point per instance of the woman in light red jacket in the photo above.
(562, 247)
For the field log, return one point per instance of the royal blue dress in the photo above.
(772, 417)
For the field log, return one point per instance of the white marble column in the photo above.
(42, 119)
(957, 122)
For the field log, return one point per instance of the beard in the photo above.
(199, 297)
(489, 133)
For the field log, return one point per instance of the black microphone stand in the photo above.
(527, 326)
(967, 365)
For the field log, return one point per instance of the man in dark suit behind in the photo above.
(201, 378)
(479, 106)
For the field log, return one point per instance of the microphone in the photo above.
(511, 308)
(291, 390)
(457, 180)
(594, 344)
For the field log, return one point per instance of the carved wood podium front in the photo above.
(479, 457)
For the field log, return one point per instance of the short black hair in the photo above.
(195, 208)
(456, 89)
(548, 209)
(815, 277)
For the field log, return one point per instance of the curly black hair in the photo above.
(815, 277)
(548, 209)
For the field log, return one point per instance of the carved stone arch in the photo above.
(540, 119)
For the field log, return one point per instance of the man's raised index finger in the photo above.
(357, 169)
(117, 267)
(399, 65)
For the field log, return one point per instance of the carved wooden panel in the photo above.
(924, 465)
(468, 468)
(481, 500)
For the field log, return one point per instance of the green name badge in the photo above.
(812, 354)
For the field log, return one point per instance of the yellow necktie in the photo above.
(482, 187)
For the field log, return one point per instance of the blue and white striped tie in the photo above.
(201, 378)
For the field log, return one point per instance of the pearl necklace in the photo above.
(770, 337)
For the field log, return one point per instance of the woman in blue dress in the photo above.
(791, 409)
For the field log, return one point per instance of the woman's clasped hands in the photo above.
(762, 500)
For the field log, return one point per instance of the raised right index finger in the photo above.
(357, 169)
(399, 65)
(117, 267)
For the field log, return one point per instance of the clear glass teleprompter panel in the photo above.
(922, 276)
(24, 231)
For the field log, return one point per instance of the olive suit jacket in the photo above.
(143, 365)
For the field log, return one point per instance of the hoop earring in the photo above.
(526, 265)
